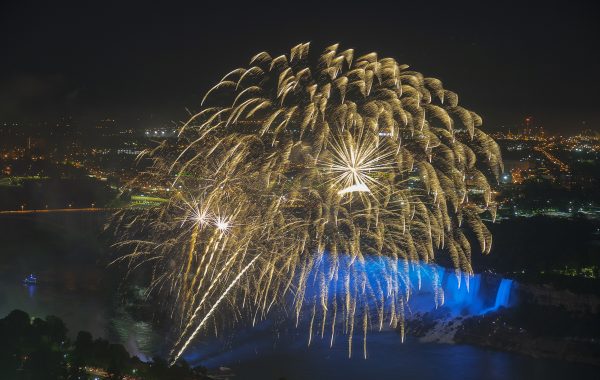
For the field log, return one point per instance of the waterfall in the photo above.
(474, 285)
(502, 295)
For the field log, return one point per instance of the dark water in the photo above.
(266, 352)
(70, 261)
(291, 359)
(69, 258)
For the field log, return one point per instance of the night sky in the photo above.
(140, 60)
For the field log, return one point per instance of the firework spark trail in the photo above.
(352, 158)
(212, 309)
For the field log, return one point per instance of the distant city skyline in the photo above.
(143, 124)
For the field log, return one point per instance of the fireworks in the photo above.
(292, 175)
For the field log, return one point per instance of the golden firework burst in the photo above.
(289, 162)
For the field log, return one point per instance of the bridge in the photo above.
(55, 210)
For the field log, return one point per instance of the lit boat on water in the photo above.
(30, 280)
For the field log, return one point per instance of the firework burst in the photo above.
(292, 174)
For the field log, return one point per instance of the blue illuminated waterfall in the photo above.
(462, 294)
(503, 294)
(477, 298)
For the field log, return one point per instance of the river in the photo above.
(70, 259)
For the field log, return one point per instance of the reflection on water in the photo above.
(72, 280)
(80, 310)
(269, 352)
(31, 290)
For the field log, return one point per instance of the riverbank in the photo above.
(546, 322)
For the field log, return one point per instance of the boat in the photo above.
(30, 280)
